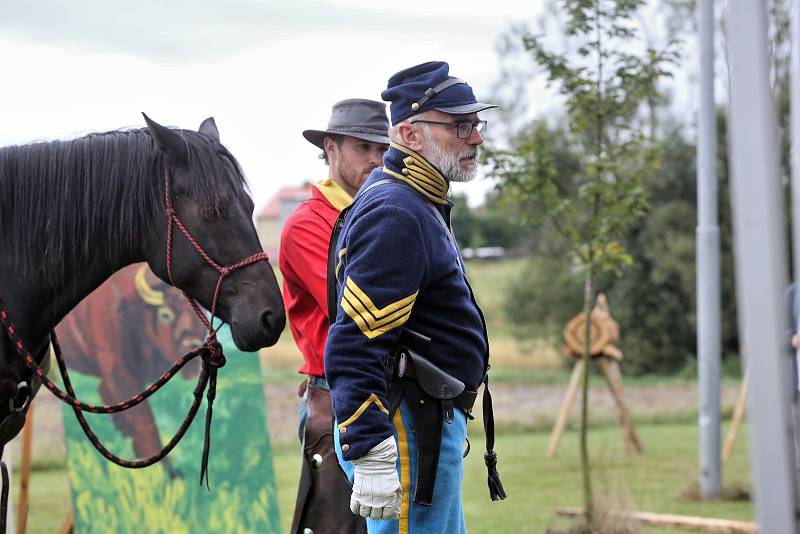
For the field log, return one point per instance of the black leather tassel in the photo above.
(210, 395)
(213, 359)
(496, 491)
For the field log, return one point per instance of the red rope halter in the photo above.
(172, 218)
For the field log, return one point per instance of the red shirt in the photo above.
(303, 261)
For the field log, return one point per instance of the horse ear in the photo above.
(209, 129)
(168, 140)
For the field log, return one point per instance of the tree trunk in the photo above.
(588, 297)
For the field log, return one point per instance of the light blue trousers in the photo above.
(446, 514)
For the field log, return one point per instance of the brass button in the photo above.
(343, 430)
(345, 447)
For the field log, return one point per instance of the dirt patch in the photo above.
(520, 405)
(536, 406)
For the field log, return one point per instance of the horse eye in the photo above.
(165, 315)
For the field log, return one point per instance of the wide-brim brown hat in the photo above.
(354, 117)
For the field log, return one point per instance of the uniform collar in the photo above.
(334, 194)
(405, 164)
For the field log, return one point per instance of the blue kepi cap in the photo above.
(429, 86)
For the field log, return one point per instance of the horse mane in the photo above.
(62, 201)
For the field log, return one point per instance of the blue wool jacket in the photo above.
(396, 269)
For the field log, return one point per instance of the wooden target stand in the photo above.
(604, 333)
(736, 419)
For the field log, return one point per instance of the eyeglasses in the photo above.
(463, 128)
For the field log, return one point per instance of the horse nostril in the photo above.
(267, 321)
(273, 322)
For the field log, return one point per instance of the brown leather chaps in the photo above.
(323, 497)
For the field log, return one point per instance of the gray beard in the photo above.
(447, 162)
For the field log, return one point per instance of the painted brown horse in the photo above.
(126, 333)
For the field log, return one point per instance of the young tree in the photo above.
(607, 79)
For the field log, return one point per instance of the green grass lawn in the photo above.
(654, 481)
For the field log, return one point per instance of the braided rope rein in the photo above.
(210, 364)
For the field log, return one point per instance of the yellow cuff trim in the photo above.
(361, 409)
(371, 320)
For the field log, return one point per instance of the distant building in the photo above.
(483, 253)
(270, 219)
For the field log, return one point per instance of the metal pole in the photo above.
(761, 266)
(708, 271)
(794, 108)
(795, 150)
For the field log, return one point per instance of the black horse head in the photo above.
(73, 212)
(219, 212)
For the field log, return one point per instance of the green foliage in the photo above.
(542, 298)
(487, 225)
(654, 302)
(606, 85)
(586, 178)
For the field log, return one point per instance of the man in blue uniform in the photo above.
(408, 348)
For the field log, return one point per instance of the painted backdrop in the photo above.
(118, 341)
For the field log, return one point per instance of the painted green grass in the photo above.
(654, 481)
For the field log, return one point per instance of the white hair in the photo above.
(447, 162)
(394, 131)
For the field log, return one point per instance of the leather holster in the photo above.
(323, 497)
(432, 396)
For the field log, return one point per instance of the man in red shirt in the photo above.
(352, 145)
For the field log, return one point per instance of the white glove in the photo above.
(376, 486)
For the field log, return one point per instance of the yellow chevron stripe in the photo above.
(376, 312)
(405, 471)
(361, 409)
(371, 320)
(365, 327)
(367, 315)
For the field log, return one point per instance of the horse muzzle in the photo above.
(249, 335)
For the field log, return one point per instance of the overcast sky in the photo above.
(266, 70)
